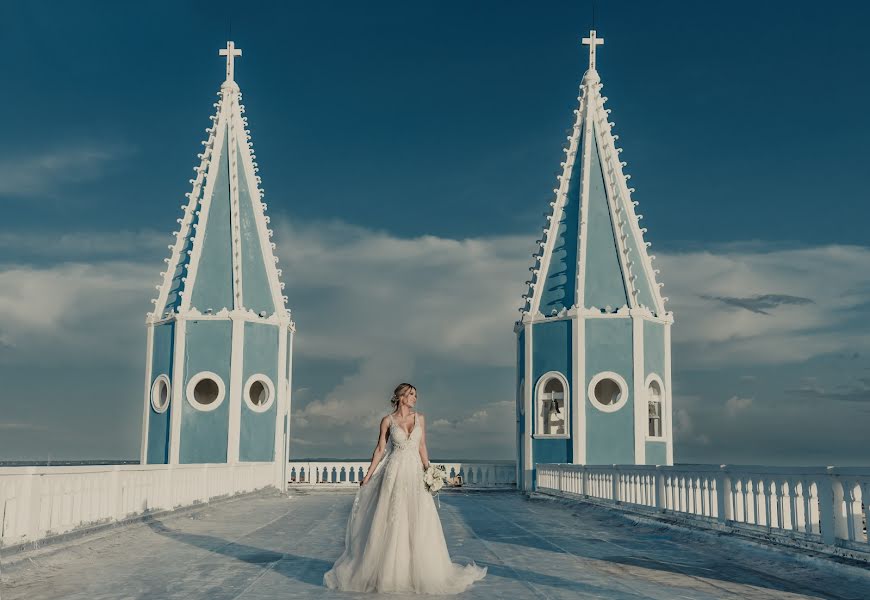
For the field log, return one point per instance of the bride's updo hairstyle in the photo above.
(401, 390)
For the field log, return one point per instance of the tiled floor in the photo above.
(271, 546)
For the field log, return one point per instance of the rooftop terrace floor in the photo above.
(271, 546)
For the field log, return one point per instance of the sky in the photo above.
(408, 152)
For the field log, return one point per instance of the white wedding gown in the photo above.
(394, 541)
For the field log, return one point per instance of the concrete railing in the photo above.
(40, 502)
(821, 507)
(476, 475)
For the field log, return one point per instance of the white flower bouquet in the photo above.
(434, 478)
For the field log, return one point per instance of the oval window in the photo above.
(259, 392)
(160, 394)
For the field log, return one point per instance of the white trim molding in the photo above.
(222, 391)
(164, 379)
(566, 400)
(528, 448)
(270, 389)
(623, 391)
(146, 405)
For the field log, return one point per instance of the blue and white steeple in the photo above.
(594, 334)
(220, 335)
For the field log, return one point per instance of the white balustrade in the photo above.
(350, 473)
(815, 506)
(39, 502)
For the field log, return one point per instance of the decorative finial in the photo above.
(231, 52)
(592, 41)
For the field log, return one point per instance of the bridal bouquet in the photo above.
(434, 478)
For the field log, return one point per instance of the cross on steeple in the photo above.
(592, 41)
(231, 52)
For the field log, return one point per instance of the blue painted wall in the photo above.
(257, 434)
(551, 451)
(204, 434)
(609, 436)
(213, 286)
(642, 283)
(256, 292)
(604, 281)
(173, 299)
(560, 284)
(654, 349)
(551, 351)
(158, 423)
(656, 453)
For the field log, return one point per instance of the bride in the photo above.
(394, 541)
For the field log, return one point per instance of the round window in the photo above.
(259, 393)
(205, 391)
(160, 394)
(608, 391)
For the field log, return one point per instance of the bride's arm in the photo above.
(378, 454)
(424, 453)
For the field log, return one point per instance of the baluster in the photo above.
(849, 497)
(781, 504)
(767, 499)
(751, 501)
(793, 505)
(807, 506)
(865, 501)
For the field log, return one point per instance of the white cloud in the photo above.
(736, 405)
(374, 309)
(48, 172)
(73, 312)
(716, 333)
(684, 425)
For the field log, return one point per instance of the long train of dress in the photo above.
(394, 540)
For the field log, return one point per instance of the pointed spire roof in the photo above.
(592, 253)
(222, 259)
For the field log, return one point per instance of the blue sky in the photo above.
(407, 153)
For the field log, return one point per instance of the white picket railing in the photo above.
(476, 475)
(825, 506)
(40, 502)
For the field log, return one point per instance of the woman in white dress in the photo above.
(394, 541)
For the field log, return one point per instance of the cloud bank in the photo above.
(374, 309)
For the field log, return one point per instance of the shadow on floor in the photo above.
(597, 534)
(301, 568)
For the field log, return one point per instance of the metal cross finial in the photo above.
(592, 41)
(231, 52)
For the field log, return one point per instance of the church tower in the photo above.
(593, 341)
(220, 338)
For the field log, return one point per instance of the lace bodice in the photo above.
(400, 438)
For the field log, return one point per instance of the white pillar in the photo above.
(280, 403)
(640, 406)
(289, 404)
(146, 412)
(237, 358)
(529, 409)
(669, 405)
(178, 391)
(578, 408)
